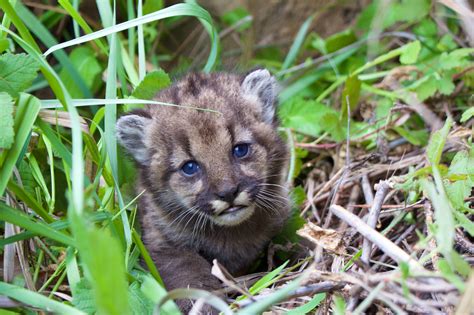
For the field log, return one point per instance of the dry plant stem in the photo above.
(367, 189)
(222, 274)
(374, 213)
(464, 243)
(462, 8)
(312, 289)
(467, 302)
(387, 246)
(9, 255)
(430, 118)
(369, 299)
(326, 186)
(397, 241)
(355, 192)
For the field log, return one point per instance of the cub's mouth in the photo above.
(233, 215)
(232, 210)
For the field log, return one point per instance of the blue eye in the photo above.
(241, 150)
(190, 168)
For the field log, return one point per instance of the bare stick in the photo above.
(374, 213)
(367, 189)
(386, 245)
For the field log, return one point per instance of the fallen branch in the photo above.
(374, 213)
(386, 245)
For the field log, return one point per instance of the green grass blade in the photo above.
(141, 44)
(181, 9)
(97, 101)
(298, 42)
(77, 18)
(308, 307)
(37, 300)
(45, 36)
(27, 109)
(25, 197)
(17, 217)
(147, 258)
(22, 29)
(56, 225)
(262, 305)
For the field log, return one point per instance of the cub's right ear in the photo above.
(131, 135)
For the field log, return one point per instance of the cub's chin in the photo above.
(233, 216)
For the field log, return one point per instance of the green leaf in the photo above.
(445, 85)
(139, 303)
(304, 116)
(459, 190)
(468, 114)
(16, 72)
(454, 59)
(448, 273)
(154, 292)
(339, 40)
(406, 11)
(427, 88)
(464, 221)
(415, 137)
(339, 305)
(330, 123)
(308, 307)
(426, 28)
(83, 298)
(151, 84)
(437, 141)
(85, 62)
(410, 53)
(104, 264)
(266, 280)
(350, 94)
(7, 133)
(4, 44)
(37, 300)
(443, 212)
(461, 266)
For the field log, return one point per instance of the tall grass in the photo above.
(107, 245)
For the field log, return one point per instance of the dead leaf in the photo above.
(326, 238)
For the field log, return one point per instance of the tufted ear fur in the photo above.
(131, 135)
(260, 84)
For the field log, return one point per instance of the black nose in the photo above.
(228, 193)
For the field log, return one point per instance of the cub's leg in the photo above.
(182, 268)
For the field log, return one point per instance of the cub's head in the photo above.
(219, 162)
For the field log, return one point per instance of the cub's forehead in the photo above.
(203, 127)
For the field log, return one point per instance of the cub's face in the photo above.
(220, 163)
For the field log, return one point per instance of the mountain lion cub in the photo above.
(213, 177)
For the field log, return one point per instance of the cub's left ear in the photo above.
(260, 84)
